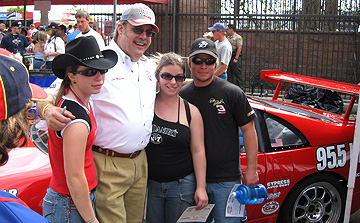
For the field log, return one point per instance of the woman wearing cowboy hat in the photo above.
(73, 181)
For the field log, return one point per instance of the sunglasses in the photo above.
(91, 72)
(199, 61)
(140, 30)
(213, 31)
(169, 77)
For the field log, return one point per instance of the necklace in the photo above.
(78, 98)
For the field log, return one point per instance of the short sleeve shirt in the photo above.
(223, 107)
(95, 34)
(124, 108)
(56, 44)
(235, 40)
(224, 51)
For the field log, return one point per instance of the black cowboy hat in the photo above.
(83, 51)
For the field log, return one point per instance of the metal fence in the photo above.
(312, 37)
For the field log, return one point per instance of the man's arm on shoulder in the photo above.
(52, 114)
(251, 177)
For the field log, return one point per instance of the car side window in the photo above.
(282, 135)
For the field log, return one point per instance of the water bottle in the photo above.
(247, 195)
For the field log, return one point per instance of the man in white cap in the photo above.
(124, 111)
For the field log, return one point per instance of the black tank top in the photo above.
(168, 152)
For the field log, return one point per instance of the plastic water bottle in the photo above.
(247, 195)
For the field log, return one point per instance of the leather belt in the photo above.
(112, 153)
(39, 60)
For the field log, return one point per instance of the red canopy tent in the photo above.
(81, 2)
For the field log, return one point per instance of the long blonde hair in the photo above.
(40, 37)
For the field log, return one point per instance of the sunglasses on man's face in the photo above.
(90, 72)
(140, 30)
(199, 61)
(169, 77)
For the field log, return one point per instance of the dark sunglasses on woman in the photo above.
(90, 72)
(169, 77)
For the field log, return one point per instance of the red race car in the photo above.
(303, 160)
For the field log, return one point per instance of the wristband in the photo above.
(43, 111)
(236, 58)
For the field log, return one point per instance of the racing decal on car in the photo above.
(270, 208)
(331, 157)
(219, 104)
(273, 195)
(278, 183)
(12, 191)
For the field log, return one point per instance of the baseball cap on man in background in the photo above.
(17, 24)
(138, 15)
(52, 25)
(218, 26)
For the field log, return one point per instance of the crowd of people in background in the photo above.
(145, 128)
(28, 44)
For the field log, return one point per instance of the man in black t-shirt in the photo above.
(14, 41)
(224, 108)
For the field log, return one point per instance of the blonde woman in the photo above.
(39, 43)
(176, 152)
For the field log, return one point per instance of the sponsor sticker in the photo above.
(278, 183)
(270, 208)
(273, 195)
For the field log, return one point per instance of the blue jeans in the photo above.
(56, 208)
(37, 64)
(223, 76)
(218, 194)
(167, 201)
(49, 65)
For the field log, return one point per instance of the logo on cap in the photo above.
(146, 13)
(203, 44)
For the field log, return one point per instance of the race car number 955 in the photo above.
(331, 157)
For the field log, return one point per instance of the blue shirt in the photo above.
(12, 211)
(72, 35)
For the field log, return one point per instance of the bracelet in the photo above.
(236, 58)
(43, 111)
(91, 220)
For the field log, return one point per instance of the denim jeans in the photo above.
(223, 76)
(218, 194)
(49, 65)
(56, 208)
(168, 200)
(37, 64)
